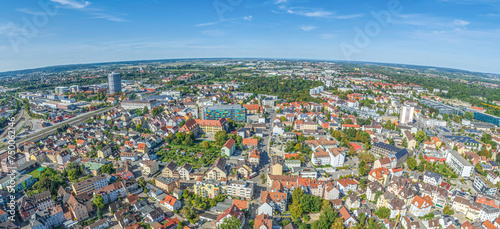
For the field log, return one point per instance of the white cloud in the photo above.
(207, 24)
(327, 36)
(248, 18)
(310, 13)
(281, 1)
(10, 28)
(315, 13)
(73, 4)
(108, 17)
(348, 16)
(213, 33)
(308, 27)
(460, 23)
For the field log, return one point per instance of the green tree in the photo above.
(447, 210)
(420, 135)
(206, 144)
(229, 223)
(220, 137)
(108, 168)
(469, 115)
(99, 201)
(412, 163)
(145, 110)
(383, 213)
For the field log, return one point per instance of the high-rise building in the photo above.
(114, 82)
(406, 115)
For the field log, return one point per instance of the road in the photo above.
(18, 124)
(51, 130)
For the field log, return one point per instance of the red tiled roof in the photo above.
(229, 143)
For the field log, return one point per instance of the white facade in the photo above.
(406, 114)
(461, 166)
(319, 158)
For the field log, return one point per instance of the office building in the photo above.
(61, 90)
(235, 112)
(406, 115)
(485, 117)
(114, 83)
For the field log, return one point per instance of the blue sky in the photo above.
(463, 34)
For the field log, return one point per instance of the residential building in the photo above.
(277, 200)
(462, 167)
(218, 169)
(91, 184)
(171, 203)
(228, 148)
(432, 178)
(240, 188)
(484, 186)
(421, 206)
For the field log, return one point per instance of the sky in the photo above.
(461, 34)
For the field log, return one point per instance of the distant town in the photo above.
(249, 143)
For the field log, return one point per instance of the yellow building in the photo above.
(277, 167)
(209, 188)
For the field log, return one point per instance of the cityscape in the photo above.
(238, 131)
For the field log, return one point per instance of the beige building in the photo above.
(169, 170)
(218, 170)
(149, 167)
(104, 152)
(277, 166)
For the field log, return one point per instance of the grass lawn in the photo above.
(36, 172)
(444, 170)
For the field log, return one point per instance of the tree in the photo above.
(420, 135)
(421, 166)
(469, 115)
(108, 168)
(338, 224)
(229, 223)
(145, 110)
(99, 201)
(484, 152)
(412, 163)
(220, 137)
(383, 213)
(99, 213)
(296, 210)
(206, 144)
(404, 143)
(362, 183)
(325, 204)
(283, 118)
(479, 168)
(448, 211)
